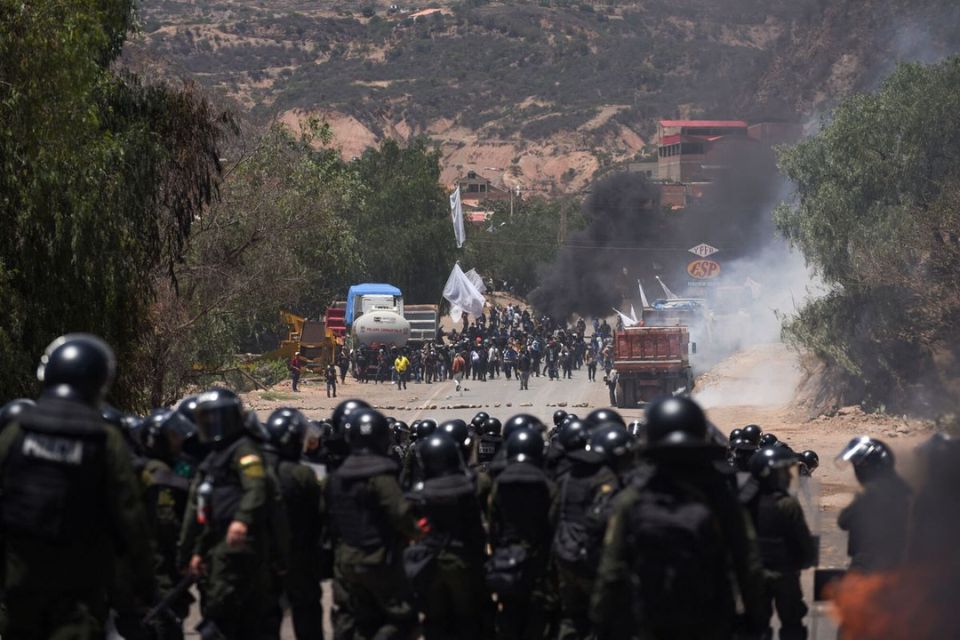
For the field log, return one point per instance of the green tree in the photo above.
(404, 224)
(275, 239)
(513, 248)
(876, 215)
(100, 180)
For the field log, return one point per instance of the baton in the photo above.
(178, 590)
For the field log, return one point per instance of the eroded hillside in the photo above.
(544, 94)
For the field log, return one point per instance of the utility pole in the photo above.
(517, 189)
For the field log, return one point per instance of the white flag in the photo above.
(627, 320)
(460, 292)
(643, 297)
(456, 214)
(477, 281)
(633, 313)
(670, 294)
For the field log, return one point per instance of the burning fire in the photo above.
(907, 604)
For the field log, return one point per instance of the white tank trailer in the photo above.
(375, 315)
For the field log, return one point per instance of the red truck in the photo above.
(651, 362)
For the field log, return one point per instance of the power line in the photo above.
(588, 247)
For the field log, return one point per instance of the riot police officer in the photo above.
(446, 567)
(410, 472)
(166, 486)
(577, 540)
(373, 522)
(301, 499)
(676, 538)
(489, 441)
(228, 531)
(70, 509)
(785, 542)
(877, 518)
(520, 535)
(336, 451)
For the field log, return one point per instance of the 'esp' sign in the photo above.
(703, 269)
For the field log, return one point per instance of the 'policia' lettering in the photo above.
(52, 448)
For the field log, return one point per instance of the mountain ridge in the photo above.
(547, 94)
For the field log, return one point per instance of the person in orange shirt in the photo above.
(458, 366)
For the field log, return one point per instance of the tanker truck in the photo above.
(374, 315)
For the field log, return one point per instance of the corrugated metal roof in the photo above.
(703, 123)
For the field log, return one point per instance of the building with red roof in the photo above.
(689, 149)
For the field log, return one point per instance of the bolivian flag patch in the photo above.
(251, 466)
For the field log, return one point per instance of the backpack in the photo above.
(679, 563)
(578, 541)
(507, 573)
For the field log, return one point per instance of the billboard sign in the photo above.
(703, 250)
(703, 269)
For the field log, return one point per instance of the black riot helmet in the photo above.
(256, 429)
(676, 422)
(424, 429)
(521, 421)
(871, 458)
(809, 461)
(400, 432)
(736, 434)
(598, 417)
(479, 419)
(568, 418)
(164, 433)
(187, 406)
(767, 440)
(13, 410)
(367, 432)
(771, 467)
(457, 429)
(79, 367)
(439, 455)
(489, 440)
(751, 433)
(613, 442)
(219, 417)
(344, 409)
(133, 432)
(525, 445)
(287, 429)
(491, 427)
(111, 415)
(741, 451)
(558, 417)
(573, 435)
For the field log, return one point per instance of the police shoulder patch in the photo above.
(251, 466)
(249, 459)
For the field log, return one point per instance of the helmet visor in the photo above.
(214, 425)
(856, 451)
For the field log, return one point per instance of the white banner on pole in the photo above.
(670, 294)
(456, 214)
(643, 296)
(627, 320)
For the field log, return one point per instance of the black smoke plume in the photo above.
(630, 236)
(587, 276)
